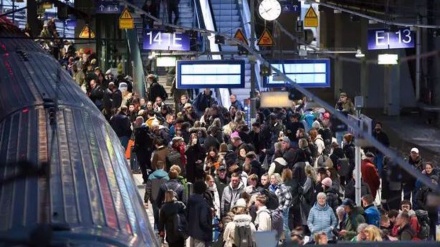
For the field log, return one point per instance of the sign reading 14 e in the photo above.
(379, 39)
(157, 40)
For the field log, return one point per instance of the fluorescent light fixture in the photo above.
(166, 61)
(336, 11)
(359, 54)
(372, 22)
(387, 59)
(275, 99)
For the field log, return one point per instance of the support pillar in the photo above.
(338, 35)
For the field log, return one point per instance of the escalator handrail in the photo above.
(246, 20)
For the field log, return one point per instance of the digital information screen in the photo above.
(210, 74)
(313, 73)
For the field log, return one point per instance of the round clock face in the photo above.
(269, 9)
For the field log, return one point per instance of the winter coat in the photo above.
(408, 178)
(406, 233)
(199, 218)
(166, 219)
(155, 180)
(230, 197)
(372, 215)
(215, 199)
(283, 194)
(195, 155)
(221, 184)
(239, 220)
(370, 176)
(352, 221)
(263, 221)
(121, 125)
(322, 219)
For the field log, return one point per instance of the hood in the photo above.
(321, 208)
(159, 174)
(281, 161)
(242, 219)
(240, 186)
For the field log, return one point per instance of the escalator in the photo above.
(229, 15)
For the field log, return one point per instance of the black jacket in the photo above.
(121, 125)
(166, 219)
(199, 217)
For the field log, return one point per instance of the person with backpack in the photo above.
(263, 221)
(172, 221)
(152, 188)
(405, 232)
(428, 216)
(172, 184)
(155, 90)
(240, 231)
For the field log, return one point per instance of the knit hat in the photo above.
(327, 182)
(235, 135)
(240, 203)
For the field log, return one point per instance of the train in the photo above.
(64, 178)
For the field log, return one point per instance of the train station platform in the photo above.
(411, 129)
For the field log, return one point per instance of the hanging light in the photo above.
(359, 54)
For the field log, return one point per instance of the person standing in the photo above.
(369, 173)
(122, 126)
(199, 217)
(173, 7)
(169, 210)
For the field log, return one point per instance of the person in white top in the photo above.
(263, 221)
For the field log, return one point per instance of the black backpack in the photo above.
(343, 166)
(423, 219)
(243, 236)
(180, 225)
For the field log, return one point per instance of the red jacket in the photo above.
(370, 176)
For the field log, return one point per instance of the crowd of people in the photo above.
(210, 176)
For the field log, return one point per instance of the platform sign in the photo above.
(311, 73)
(379, 39)
(265, 39)
(311, 18)
(126, 20)
(210, 74)
(107, 7)
(240, 36)
(157, 40)
(290, 6)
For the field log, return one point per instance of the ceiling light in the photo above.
(359, 54)
(372, 22)
(336, 11)
(387, 59)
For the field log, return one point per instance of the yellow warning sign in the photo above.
(265, 39)
(240, 36)
(311, 18)
(86, 33)
(126, 20)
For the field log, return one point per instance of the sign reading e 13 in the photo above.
(158, 40)
(379, 39)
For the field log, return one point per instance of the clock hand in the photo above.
(268, 10)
